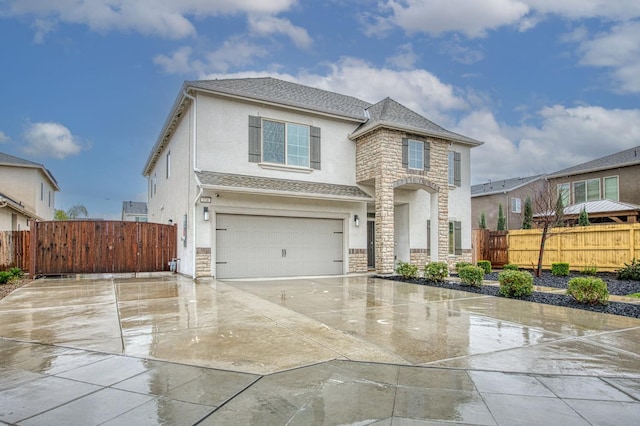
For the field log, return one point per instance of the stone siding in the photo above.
(357, 260)
(203, 261)
(419, 257)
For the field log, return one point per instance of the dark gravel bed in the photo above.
(615, 308)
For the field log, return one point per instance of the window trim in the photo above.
(517, 208)
(455, 231)
(168, 164)
(286, 143)
(409, 156)
(604, 187)
(559, 192)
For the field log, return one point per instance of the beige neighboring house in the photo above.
(134, 211)
(265, 177)
(27, 192)
(511, 193)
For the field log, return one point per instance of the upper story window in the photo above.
(611, 188)
(516, 205)
(168, 164)
(586, 190)
(284, 143)
(415, 154)
(454, 168)
(564, 193)
(41, 191)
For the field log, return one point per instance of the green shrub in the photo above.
(5, 277)
(588, 290)
(560, 269)
(436, 271)
(407, 270)
(471, 275)
(515, 283)
(631, 271)
(510, 267)
(589, 270)
(485, 264)
(461, 265)
(16, 272)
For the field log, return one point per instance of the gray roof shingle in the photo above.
(134, 207)
(500, 186)
(627, 157)
(10, 160)
(327, 190)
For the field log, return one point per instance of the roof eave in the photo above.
(507, 190)
(592, 170)
(386, 124)
(311, 195)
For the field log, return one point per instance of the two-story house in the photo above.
(511, 194)
(266, 177)
(27, 192)
(134, 211)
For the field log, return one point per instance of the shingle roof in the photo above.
(500, 186)
(391, 113)
(10, 160)
(627, 157)
(17, 206)
(134, 207)
(287, 93)
(280, 186)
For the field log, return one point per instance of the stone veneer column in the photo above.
(203, 262)
(385, 237)
(443, 224)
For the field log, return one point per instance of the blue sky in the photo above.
(85, 86)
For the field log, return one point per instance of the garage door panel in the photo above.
(254, 246)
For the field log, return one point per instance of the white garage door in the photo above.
(268, 246)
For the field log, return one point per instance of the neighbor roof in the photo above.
(600, 206)
(9, 202)
(134, 207)
(501, 186)
(244, 183)
(10, 160)
(389, 113)
(271, 90)
(624, 158)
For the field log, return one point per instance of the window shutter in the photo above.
(405, 152)
(255, 130)
(427, 156)
(457, 233)
(428, 237)
(457, 180)
(314, 148)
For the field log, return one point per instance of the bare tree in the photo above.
(547, 214)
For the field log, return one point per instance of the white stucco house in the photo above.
(27, 192)
(265, 177)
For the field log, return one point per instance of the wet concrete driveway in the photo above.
(339, 350)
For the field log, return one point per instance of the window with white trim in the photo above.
(611, 191)
(564, 193)
(516, 205)
(285, 143)
(586, 190)
(416, 155)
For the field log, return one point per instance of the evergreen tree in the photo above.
(501, 219)
(583, 220)
(483, 221)
(559, 213)
(527, 222)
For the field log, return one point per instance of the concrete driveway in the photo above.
(338, 350)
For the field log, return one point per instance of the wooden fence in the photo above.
(14, 250)
(490, 245)
(73, 247)
(606, 247)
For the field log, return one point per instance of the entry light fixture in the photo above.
(356, 220)
(206, 213)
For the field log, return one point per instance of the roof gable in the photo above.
(627, 157)
(13, 161)
(502, 186)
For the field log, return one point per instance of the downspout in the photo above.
(198, 184)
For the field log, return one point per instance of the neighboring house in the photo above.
(265, 177)
(511, 193)
(13, 215)
(28, 187)
(602, 212)
(614, 177)
(134, 211)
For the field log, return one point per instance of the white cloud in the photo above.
(166, 18)
(404, 59)
(3, 137)
(619, 50)
(264, 25)
(460, 53)
(564, 137)
(50, 140)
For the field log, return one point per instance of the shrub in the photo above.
(589, 270)
(510, 267)
(471, 275)
(407, 270)
(16, 272)
(588, 290)
(461, 265)
(5, 277)
(560, 269)
(436, 271)
(515, 283)
(486, 265)
(631, 271)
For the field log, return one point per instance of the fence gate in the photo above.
(492, 246)
(14, 250)
(75, 247)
